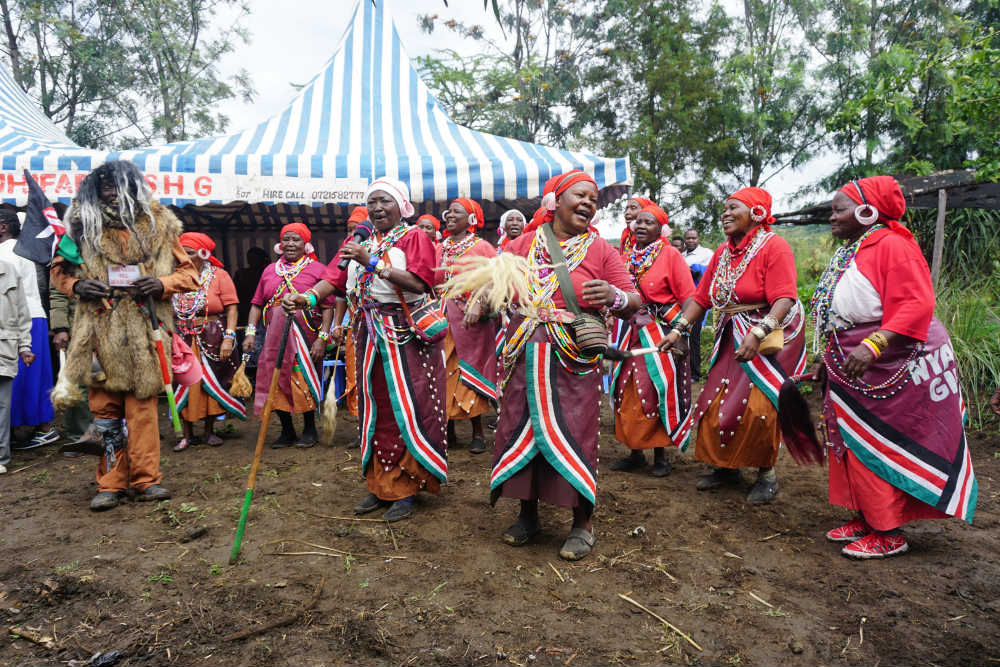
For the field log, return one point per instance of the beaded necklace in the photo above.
(639, 260)
(834, 358)
(377, 248)
(822, 299)
(287, 272)
(542, 286)
(188, 305)
(452, 251)
(726, 275)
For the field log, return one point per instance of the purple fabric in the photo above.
(475, 345)
(640, 371)
(927, 410)
(269, 354)
(579, 402)
(425, 376)
(727, 374)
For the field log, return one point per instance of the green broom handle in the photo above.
(265, 417)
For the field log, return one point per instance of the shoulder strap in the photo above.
(562, 271)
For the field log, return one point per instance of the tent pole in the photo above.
(938, 238)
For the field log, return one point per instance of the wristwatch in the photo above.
(382, 269)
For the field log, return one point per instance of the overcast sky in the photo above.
(291, 40)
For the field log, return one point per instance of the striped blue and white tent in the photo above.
(366, 114)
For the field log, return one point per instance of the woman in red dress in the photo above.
(206, 319)
(751, 284)
(295, 272)
(469, 347)
(652, 393)
(547, 431)
(893, 408)
(400, 375)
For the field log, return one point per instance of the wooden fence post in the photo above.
(938, 238)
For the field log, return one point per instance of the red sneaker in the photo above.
(876, 545)
(854, 529)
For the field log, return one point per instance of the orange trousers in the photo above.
(138, 464)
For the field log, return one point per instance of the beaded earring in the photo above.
(758, 213)
(204, 254)
(310, 249)
(277, 248)
(865, 213)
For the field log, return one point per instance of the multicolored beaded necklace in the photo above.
(189, 305)
(378, 246)
(287, 272)
(822, 298)
(542, 286)
(726, 275)
(640, 259)
(452, 251)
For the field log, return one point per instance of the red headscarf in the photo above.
(627, 232)
(554, 187)
(303, 231)
(358, 213)
(754, 197)
(658, 213)
(885, 195)
(203, 244)
(472, 208)
(434, 221)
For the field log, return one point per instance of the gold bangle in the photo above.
(879, 340)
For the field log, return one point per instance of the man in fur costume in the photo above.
(118, 234)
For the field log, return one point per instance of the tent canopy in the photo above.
(366, 114)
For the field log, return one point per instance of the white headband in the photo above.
(395, 189)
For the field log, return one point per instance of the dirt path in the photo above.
(749, 585)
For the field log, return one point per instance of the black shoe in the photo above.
(285, 440)
(660, 468)
(521, 532)
(105, 500)
(153, 493)
(401, 509)
(477, 446)
(307, 440)
(719, 477)
(763, 491)
(370, 503)
(629, 463)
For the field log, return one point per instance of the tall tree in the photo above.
(776, 107)
(525, 84)
(117, 73)
(654, 94)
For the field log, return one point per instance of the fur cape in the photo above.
(121, 337)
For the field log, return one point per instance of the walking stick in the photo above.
(328, 425)
(164, 368)
(265, 417)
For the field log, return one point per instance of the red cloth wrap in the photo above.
(199, 241)
(434, 221)
(658, 213)
(756, 197)
(885, 195)
(472, 208)
(557, 185)
(358, 213)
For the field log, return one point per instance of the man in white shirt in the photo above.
(697, 257)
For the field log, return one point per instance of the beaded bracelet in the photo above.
(870, 344)
(759, 333)
(621, 300)
(251, 330)
(323, 335)
(229, 333)
(768, 323)
(682, 323)
(678, 331)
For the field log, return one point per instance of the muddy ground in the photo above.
(748, 585)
